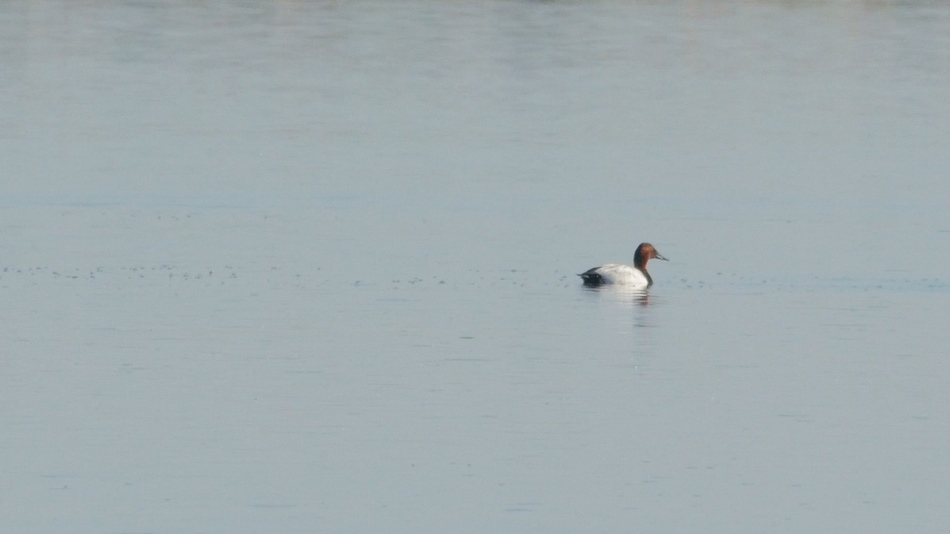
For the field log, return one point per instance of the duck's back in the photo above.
(614, 273)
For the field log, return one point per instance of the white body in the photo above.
(615, 273)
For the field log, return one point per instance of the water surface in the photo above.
(311, 266)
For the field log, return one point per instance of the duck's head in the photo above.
(645, 252)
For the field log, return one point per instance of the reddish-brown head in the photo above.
(645, 252)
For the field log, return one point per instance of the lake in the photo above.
(311, 266)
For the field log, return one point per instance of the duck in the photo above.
(614, 273)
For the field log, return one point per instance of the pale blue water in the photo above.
(308, 267)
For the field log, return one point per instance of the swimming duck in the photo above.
(613, 273)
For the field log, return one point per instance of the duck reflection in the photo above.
(622, 294)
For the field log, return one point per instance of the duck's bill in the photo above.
(659, 257)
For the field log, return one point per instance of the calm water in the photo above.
(310, 267)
